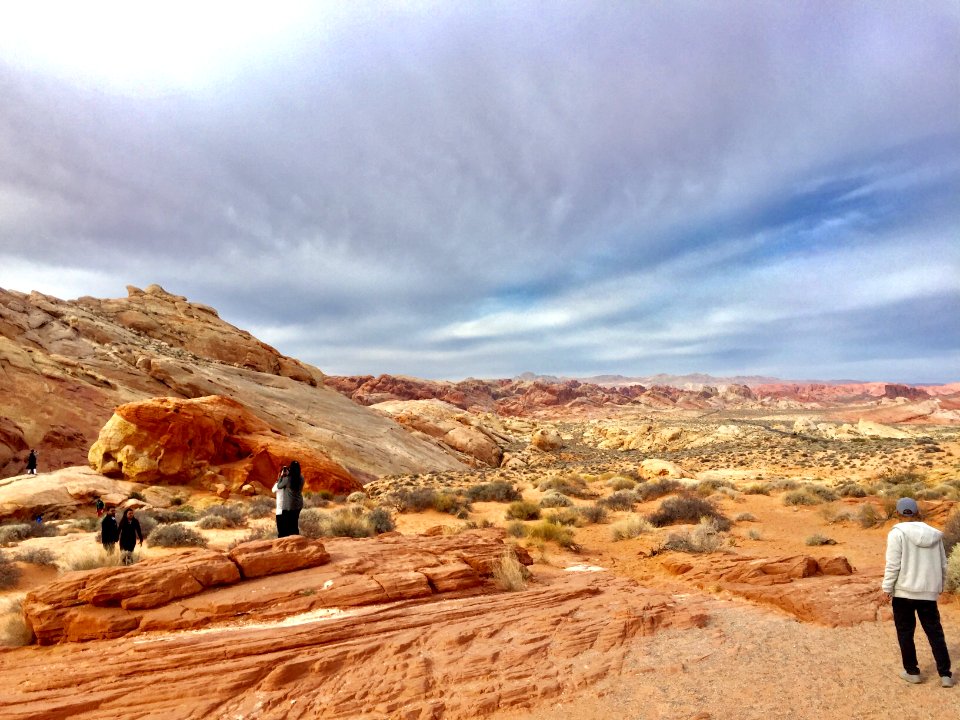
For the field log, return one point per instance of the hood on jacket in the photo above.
(920, 534)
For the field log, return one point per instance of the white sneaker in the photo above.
(946, 681)
(913, 679)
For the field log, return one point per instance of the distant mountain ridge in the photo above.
(691, 381)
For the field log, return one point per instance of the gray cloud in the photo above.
(591, 187)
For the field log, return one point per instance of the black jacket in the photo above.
(129, 532)
(109, 531)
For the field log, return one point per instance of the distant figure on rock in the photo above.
(281, 488)
(32, 463)
(98, 504)
(110, 531)
(296, 498)
(129, 533)
(914, 577)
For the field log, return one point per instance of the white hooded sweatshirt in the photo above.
(916, 562)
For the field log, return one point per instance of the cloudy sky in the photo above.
(446, 189)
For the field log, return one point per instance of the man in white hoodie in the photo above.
(913, 580)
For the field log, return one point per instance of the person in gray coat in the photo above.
(281, 488)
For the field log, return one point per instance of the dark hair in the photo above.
(296, 478)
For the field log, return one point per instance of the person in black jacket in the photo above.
(129, 531)
(32, 463)
(109, 531)
(295, 491)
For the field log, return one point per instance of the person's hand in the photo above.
(885, 597)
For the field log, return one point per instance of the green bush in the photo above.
(593, 514)
(688, 508)
(522, 510)
(381, 520)
(176, 535)
(498, 491)
(549, 532)
(516, 529)
(344, 523)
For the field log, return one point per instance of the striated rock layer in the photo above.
(395, 627)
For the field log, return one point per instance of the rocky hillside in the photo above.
(66, 365)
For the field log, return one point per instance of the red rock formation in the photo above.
(905, 391)
(465, 657)
(210, 440)
(826, 591)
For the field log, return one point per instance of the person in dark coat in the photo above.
(129, 533)
(295, 498)
(32, 463)
(110, 531)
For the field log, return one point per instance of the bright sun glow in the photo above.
(131, 46)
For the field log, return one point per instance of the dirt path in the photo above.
(751, 664)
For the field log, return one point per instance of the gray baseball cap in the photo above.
(907, 506)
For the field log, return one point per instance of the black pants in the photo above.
(288, 523)
(905, 614)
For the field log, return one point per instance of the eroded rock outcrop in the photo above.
(465, 657)
(212, 440)
(827, 591)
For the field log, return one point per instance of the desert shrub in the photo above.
(951, 531)
(564, 516)
(177, 501)
(645, 492)
(87, 524)
(498, 491)
(88, 558)
(420, 499)
(572, 485)
(14, 631)
(801, 497)
(851, 490)
(36, 556)
(509, 573)
(935, 493)
(312, 523)
(953, 571)
(381, 520)
(783, 484)
(549, 532)
(868, 516)
(473, 525)
(688, 508)
(822, 492)
(755, 534)
(834, 516)
(522, 510)
(9, 573)
(630, 527)
(621, 483)
(758, 489)
(136, 495)
(233, 515)
(619, 500)
(554, 500)
(452, 504)
(213, 522)
(745, 517)
(705, 538)
(818, 539)
(901, 477)
(344, 523)
(258, 533)
(321, 498)
(358, 496)
(593, 514)
(147, 523)
(706, 488)
(516, 529)
(165, 516)
(15, 532)
(262, 506)
(176, 535)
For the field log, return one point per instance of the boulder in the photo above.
(546, 439)
(652, 468)
(270, 557)
(59, 494)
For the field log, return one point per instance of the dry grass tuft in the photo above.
(509, 573)
(629, 528)
(14, 631)
(89, 558)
